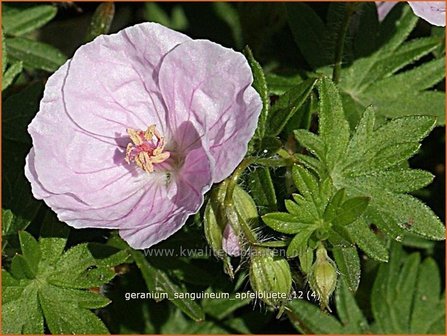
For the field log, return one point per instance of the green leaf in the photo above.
(371, 80)
(260, 85)
(431, 103)
(75, 260)
(411, 51)
(426, 312)
(392, 293)
(439, 32)
(81, 299)
(101, 20)
(396, 27)
(405, 300)
(262, 190)
(398, 181)
(362, 135)
(351, 210)
(87, 265)
(348, 265)
(23, 316)
(362, 167)
(420, 78)
(334, 204)
(34, 54)
(30, 250)
(12, 288)
(284, 222)
(220, 308)
(13, 71)
(157, 280)
(11, 224)
(21, 21)
(402, 130)
(308, 318)
(305, 182)
(309, 33)
(21, 269)
(303, 117)
(91, 277)
(366, 240)
(64, 317)
(37, 283)
(108, 256)
(53, 238)
(411, 214)
(333, 127)
(280, 84)
(311, 142)
(385, 223)
(306, 257)
(298, 243)
(354, 322)
(288, 105)
(155, 13)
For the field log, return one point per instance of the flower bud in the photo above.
(230, 242)
(270, 276)
(214, 221)
(323, 277)
(221, 223)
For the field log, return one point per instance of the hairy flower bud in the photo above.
(221, 223)
(270, 276)
(323, 277)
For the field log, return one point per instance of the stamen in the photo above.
(146, 148)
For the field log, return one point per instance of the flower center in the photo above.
(146, 148)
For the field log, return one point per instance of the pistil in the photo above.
(146, 148)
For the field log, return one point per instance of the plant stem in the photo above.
(232, 180)
(339, 48)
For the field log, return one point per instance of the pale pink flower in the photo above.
(136, 127)
(431, 11)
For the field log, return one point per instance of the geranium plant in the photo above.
(223, 168)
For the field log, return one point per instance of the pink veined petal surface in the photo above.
(166, 216)
(210, 86)
(59, 145)
(119, 89)
(72, 165)
(77, 165)
(431, 11)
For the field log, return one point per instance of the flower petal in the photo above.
(71, 209)
(112, 85)
(431, 11)
(70, 160)
(209, 86)
(160, 215)
(383, 8)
